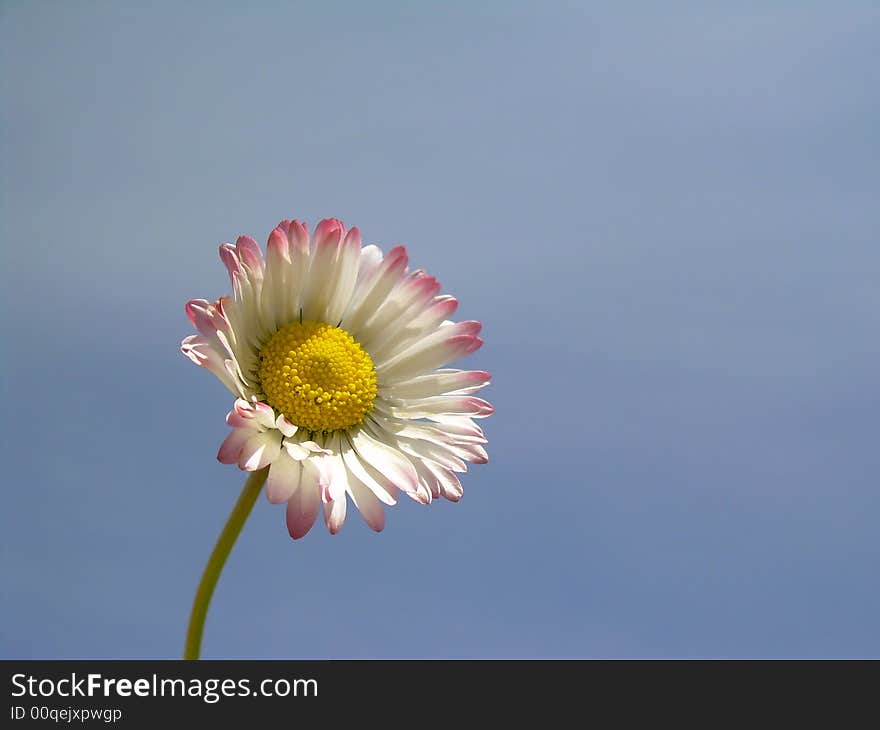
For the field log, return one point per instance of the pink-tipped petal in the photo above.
(234, 420)
(298, 237)
(283, 480)
(367, 503)
(298, 271)
(209, 320)
(427, 478)
(275, 292)
(442, 309)
(334, 514)
(341, 285)
(198, 350)
(302, 508)
(276, 248)
(229, 257)
(230, 449)
(249, 253)
(474, 453)
(245, 409)
(264, 414)
(329, 228)
(467, 327)
(192, 307)
(319, 287)
(450, 486)
(353, 239)
(422, 494)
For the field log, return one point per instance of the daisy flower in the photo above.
(335, 353)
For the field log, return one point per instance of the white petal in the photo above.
(285, 426)
(284, 476)
(438, 382)
(427, 450)
(371, 257)
(381, 486)
(408, 330)
(338, 473)
(394, 322)
(405, 302)
(440, 335)
(260, 450)
(385, 459)
(373, 291)
(296, 451)
(438, 433)
(447, 405)
(426, 355)
(461, 426)
(314, 448)
(344, 277)
(199, 350)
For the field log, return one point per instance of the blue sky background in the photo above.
(666, 215)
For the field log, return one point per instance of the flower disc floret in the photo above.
(318, 376)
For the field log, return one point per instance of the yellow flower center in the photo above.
(318, 376)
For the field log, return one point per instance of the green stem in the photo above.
(231, 530)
